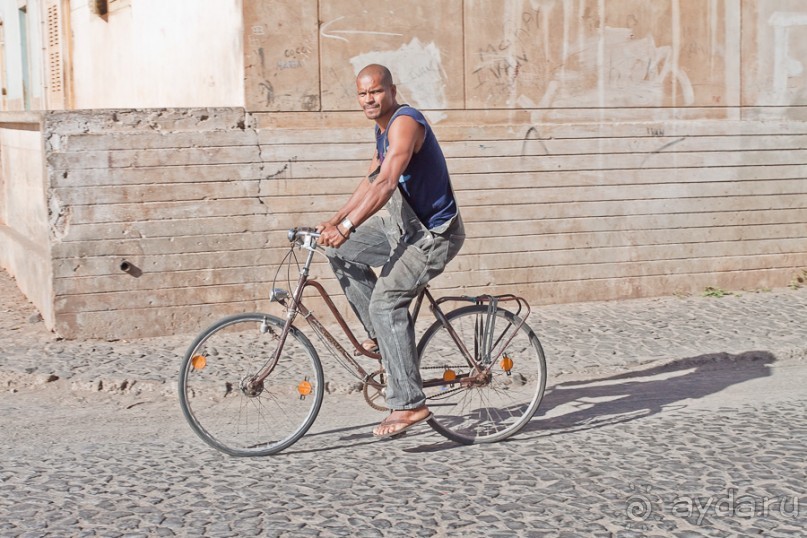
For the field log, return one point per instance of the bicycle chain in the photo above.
(370, 397)
(444, 367)
(444, 394)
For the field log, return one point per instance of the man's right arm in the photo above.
(358, 195)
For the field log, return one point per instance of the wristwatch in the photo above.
(347, 225)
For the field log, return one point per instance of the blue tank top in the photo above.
(425, 183)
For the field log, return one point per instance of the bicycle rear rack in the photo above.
(492, 300)
(488, 332)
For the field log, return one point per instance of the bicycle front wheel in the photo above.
(492, 408)
(227, 408)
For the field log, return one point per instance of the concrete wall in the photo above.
(454, 54)
(200, 199)
(175, 193)
(599, 150)
(594, 211)
(559, 59)
(24, 216)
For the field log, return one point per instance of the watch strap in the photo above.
(347, 224)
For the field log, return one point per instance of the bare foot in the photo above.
(371, 345)
(400, 421)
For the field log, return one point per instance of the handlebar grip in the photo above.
(296, 233)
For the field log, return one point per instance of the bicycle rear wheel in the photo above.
(506, 400)
(233, 415)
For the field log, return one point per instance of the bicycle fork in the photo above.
(254, 384)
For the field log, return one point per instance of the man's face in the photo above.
(375, 99)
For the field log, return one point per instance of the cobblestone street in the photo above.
(662, 417)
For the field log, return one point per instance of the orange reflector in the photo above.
(507, 363)
(304, 388)
(198, 362)
(449, 375)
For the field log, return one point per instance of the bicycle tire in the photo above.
(257, 422)
(492, 411)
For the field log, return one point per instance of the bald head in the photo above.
(376, 93)
(378, 72)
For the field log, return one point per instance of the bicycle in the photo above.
(252, 384)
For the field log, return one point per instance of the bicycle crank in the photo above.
(374, 390)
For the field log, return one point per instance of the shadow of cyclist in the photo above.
(588, 404)
(593, 403)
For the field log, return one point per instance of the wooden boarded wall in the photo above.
(566, 213)
(198, 201)
(172, 193)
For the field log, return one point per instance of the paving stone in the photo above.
(649, 402)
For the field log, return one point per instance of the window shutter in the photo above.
(55, 56)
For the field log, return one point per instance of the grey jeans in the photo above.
(408, 260)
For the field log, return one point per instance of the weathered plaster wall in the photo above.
(775, 50)
(198, 201)
(12, 75)
(561, 59)
(154, 53)
(593, 54)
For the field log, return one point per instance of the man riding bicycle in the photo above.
(411, 245)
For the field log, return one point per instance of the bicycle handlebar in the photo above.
(300, 234)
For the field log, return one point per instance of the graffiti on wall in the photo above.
(530, 54)
(572, 53)
(419, 41)
(281, 56)
(631, 72)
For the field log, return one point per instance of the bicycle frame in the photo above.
(252, 384)
(294, 307)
